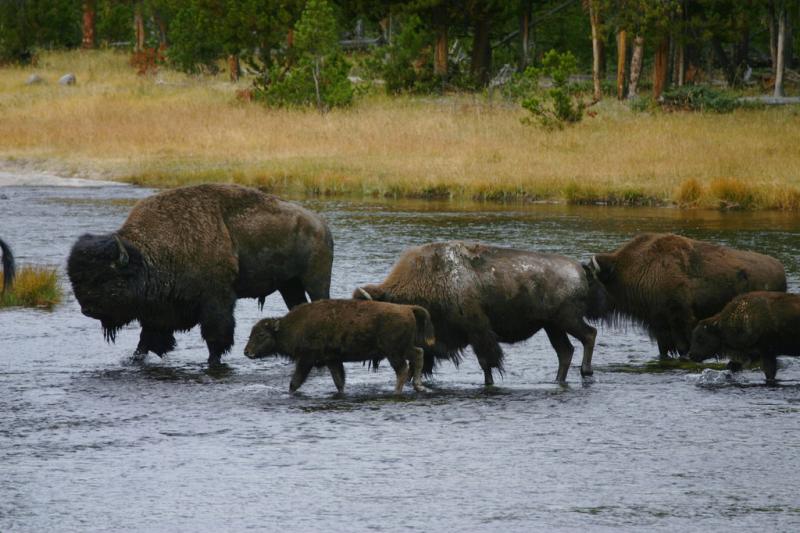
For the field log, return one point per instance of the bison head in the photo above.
(705, 341)
(371, 292)
(263, 340)
(104, 272)
(602, 266)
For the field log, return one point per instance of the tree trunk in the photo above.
(773, 36)
(636, 65)
(525, 34)
(89, 16)
(138, 27)
(594, 18)
(621, 56)
(680, 64)
(440, 53)
(162, 31)
(233, 67)
(660, 68)
(779, 49)
(481, 50)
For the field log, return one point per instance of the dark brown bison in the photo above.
(666, 283)
(184, 256)
(754, 326)
(330, 332)
(480, 295)
(8, 266)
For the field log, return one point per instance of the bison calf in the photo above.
(330, 332)
(757, 325)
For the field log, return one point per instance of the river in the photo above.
(90, 441)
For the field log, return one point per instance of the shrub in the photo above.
(319, 76)
(404, 65)
(193, 34)
(698, 98)
(558, 105)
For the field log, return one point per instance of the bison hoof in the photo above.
(587, 372)
(420, 388)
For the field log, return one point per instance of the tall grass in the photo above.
(171, 129)
(33, 286)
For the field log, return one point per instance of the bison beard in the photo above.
(184, 256)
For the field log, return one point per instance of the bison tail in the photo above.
(425, 334)
(9, 270)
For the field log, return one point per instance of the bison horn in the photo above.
(595, 265)
(276, 325)
(364, 293)
(123, 254)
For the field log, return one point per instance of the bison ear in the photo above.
(122, 259)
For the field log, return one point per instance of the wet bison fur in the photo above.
(480, 295)
(331, 332)
(666, 283)
(757, 326)
(183, 257)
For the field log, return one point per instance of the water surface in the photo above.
(91, 441)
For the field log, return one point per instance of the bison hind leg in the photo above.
(416, 358)
(564, 350)
(337, 373)
(400, 366)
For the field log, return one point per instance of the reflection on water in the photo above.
(92, 440)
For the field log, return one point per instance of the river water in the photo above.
(92, 441)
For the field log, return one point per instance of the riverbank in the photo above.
(170, 129)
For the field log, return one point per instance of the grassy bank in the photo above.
(33, 287)
(171, 129)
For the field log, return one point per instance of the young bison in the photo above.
(330, 332)
(752, 326)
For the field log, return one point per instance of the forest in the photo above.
(458, 99)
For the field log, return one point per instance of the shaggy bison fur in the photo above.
(330, 332)
(667, 283)
(754, 326)
(480, 295)
(184, 256)
(8, 266)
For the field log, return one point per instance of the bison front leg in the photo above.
(564, 350)
(337, 373)
(769, 364)
(216, 327)
(154, 340)
(293, 293)
(301, 370)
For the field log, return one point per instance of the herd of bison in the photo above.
(183, 257)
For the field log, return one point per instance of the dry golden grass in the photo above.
(172, 129)
(33, 286)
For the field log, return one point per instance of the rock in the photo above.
(34, 79)
(67, 79)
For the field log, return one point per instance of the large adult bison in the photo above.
(753, 326)
(184, 256)
(8, 266)
(666, 283)
(480, 295)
